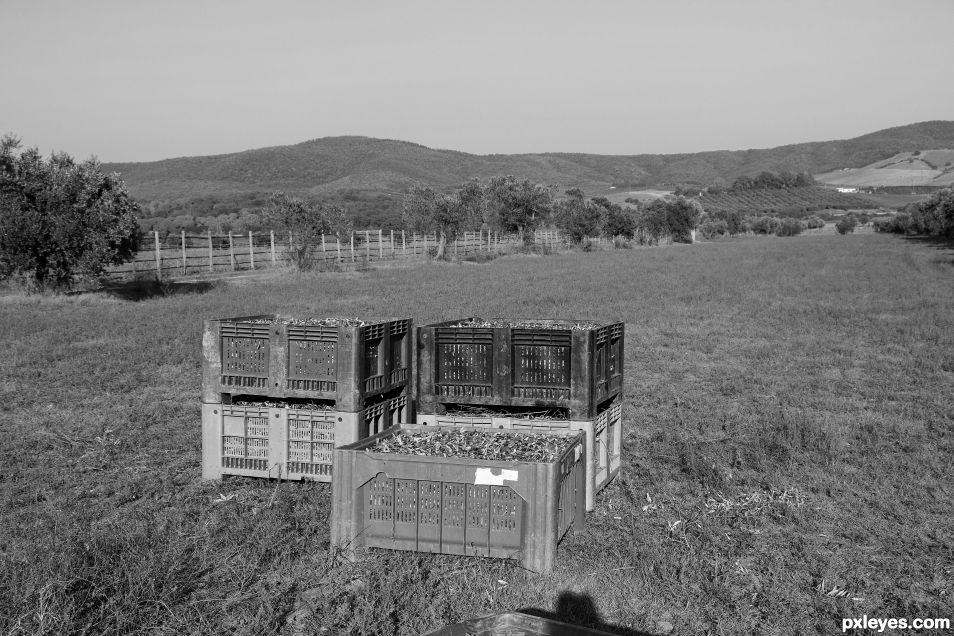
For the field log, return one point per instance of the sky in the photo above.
(141, 81)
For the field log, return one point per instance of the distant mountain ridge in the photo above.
(362, 163)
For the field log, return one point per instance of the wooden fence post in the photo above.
(211, 253)
(271, 235)
(403, 244)
(367, 244)
(251, 252)
(380, 244)
(338, 242)
(425, 244)
(392, 243)
(455, 247)
(352, 247)
(231, 251)
(158, 256)
(183, 253)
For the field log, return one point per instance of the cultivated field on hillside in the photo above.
(787, 452)
(781, 199)
(929, 167)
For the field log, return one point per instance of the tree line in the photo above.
(934, 217)
(242, 212)
(764, 180)
(508, 204)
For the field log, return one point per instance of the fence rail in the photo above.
(196, 253)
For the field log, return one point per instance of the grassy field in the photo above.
(786, 463)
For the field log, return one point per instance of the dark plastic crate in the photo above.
(552, 365)
(287, 443)
(451, 505)
(514, 624)
(347, 364)
(604, 438)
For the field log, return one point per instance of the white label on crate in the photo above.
(486, 477)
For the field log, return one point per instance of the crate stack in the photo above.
(280, 393)
(516, 374)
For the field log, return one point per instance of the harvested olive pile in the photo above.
(467, 410)
(469, 444)
(280, 404)
(580, 325)
(313, 322)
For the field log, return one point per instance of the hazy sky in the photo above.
(137, 81)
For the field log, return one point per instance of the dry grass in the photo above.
(786, 461)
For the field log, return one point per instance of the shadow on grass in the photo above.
(942, 243)
(937, 242)
(579, 610)
(137, 290)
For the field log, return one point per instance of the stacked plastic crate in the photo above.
(280, 393)
(543, 375)
(438, 496)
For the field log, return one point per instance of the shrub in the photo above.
(764, 224)
(814, 222)
(846, 225)
(713, 228)
(790, 227)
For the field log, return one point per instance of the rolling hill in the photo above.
(918, 168)
(330, 164)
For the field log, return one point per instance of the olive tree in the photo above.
(426, 210)
(518, 206)
(60, 219)
(306, 222)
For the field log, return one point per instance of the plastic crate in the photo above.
(514, 624)
(286, 443)
(449, 505)
(347, 364)
(604, 438)
(554, 366)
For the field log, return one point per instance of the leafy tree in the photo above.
(473, 202)
(681, 216)
(804, 179)
(576, 217)
(445, 214)
(615, 220)
(653, 222)
(306, 221)
(60, 219)
(518, 206)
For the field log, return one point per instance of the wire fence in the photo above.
(184, 254)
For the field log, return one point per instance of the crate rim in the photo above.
(360, 446)
(368, 320)
(556, 323)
